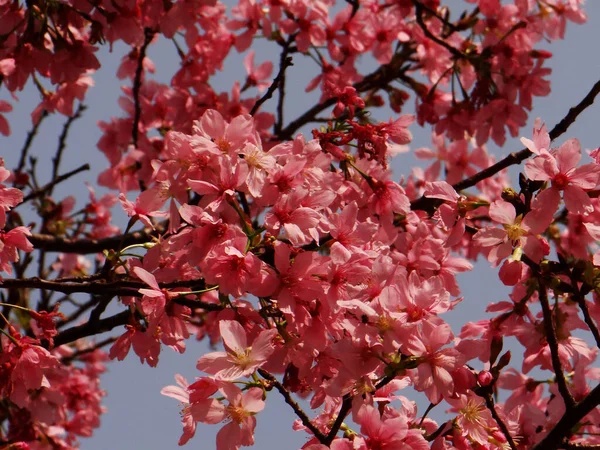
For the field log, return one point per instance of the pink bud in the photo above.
(485, 378)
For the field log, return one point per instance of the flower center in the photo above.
(560, 180)
(223, 144)
(237, 413)
(243, 359)
(514, 231)
(472, 412)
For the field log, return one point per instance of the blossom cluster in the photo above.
(322, 276)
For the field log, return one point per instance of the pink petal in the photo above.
(234, 335)
(263, 346)
(502, 212)
(252, 400)
(209, 411)
(568, 155)
(146, 277)
(586, 176)
(229, 437)
(577, 201)
(176, 392)
(213, 124)
(249, 62)
(264, 70)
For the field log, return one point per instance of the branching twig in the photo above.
(419, 16)
(377, 79)
(518, 157)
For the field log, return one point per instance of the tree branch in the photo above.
(290, 401)
(28, 141)
(278, 79)
(518, 157)
(112, 288)
(92, 328)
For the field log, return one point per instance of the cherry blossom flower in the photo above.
(240, 359)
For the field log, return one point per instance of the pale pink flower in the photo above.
(197, 406)
(241, 410)
(560, 168)
(433, 374)
(240, 359)
(257, 76)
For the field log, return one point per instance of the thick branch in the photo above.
(554, 439)
(110, 288)
(85, 246)
(92, 328)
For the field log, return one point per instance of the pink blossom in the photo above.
(560, 168)
(240, 359)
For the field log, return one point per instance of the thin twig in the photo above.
(518, 157)
(290, 401)
(90, 349)
(274, 85)
(550, 332)
(62, 144)
(489, 402)
(137, 84)
(419, 16)
(28, 141)
(46, 190)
